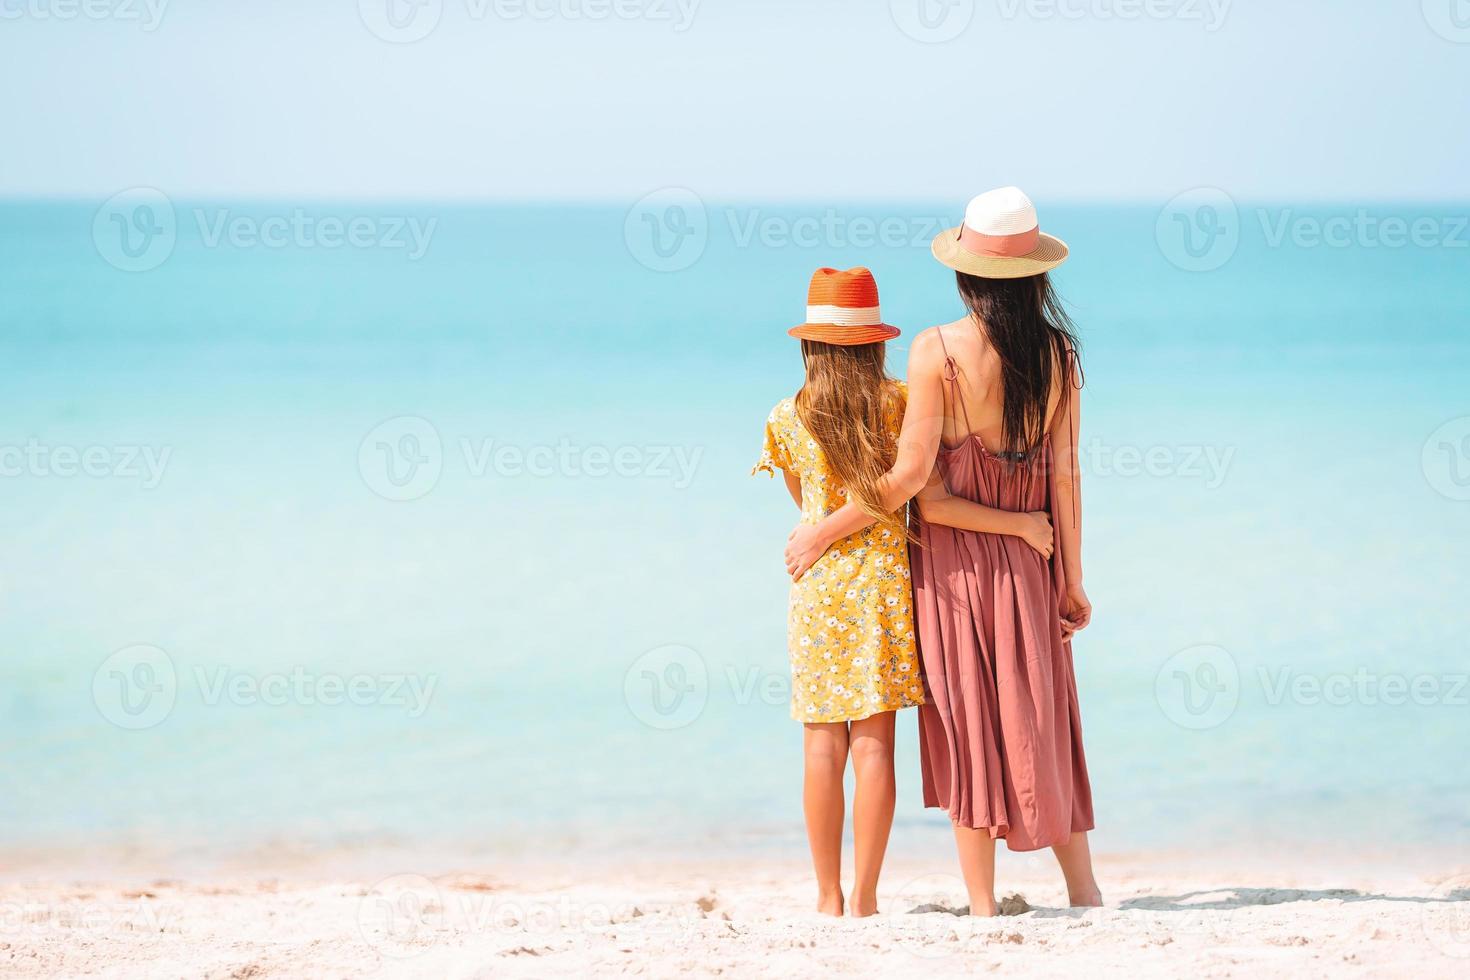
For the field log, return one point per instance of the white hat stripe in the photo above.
(844, 316)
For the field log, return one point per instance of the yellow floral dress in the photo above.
(850, 626)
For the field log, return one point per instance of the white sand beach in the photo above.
(733, 920)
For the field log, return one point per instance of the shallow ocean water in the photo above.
(569, 637)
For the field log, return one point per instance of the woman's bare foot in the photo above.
(830, 903)
(863, 906)
(983, 905)
(1092, 900)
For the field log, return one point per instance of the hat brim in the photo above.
(831, 333)
(1049, 253)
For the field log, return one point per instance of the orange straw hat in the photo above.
(842, 308)
(999, 239)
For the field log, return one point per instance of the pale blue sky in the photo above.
(1270, 99)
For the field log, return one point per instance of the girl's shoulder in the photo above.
(784, 412)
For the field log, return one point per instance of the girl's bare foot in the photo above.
(863, 906)
(1092, 900)
(830, 903)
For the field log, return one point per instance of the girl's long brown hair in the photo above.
(847, 404)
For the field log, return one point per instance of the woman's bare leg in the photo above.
(872, 805)
(977, 863)
(825, 748)
(1076, 861)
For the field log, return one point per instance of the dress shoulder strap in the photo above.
(952, 375)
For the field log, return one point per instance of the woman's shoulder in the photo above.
(929, 346)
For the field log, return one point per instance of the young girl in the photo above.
(850, 629)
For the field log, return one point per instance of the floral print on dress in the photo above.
(850, 625)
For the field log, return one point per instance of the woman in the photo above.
(993, 416)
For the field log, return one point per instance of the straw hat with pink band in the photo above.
(842, 308)
(1000, 239)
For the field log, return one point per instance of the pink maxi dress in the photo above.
(1000, 734)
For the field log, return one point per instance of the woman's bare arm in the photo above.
(1067, 492)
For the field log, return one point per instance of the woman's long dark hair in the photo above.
(1024, 321)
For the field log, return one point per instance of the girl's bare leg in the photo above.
(977, 863)
(1076, 861)
(872, 805)
(826, 760)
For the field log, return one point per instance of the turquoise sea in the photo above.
(316, 549)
